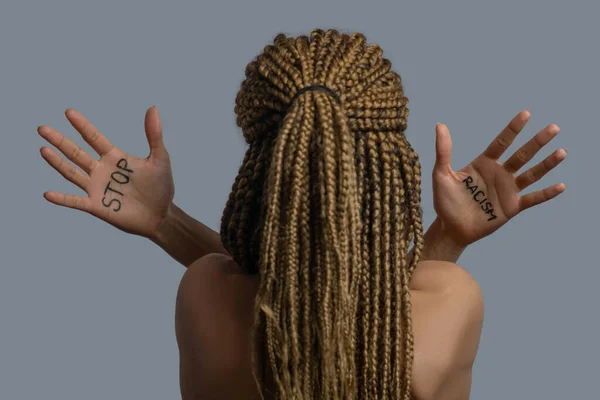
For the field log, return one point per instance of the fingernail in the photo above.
(156, 107)
(562, 152)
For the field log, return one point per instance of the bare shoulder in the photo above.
(213, 315)
(440, 276)
(214, 263)
(214, 284)
(447, 309)
(216, 271)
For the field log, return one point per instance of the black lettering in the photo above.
(111, 189)
(120, 174)
(477, 194)
(488, 206)
(120, 178)
(124, 166)
(111, 201)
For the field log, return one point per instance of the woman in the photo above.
(310, 291)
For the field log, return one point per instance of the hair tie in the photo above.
(317, 87)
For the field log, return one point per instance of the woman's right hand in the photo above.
(130, 193)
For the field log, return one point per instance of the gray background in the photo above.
(87, 312)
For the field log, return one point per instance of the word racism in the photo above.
(120, 178)
(478, 195)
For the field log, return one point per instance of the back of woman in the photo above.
(214, 319)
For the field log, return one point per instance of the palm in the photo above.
(481, 197)
(131, 193)
(146, 197)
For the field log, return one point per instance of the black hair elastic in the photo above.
(317, 87)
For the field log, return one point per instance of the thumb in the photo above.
(443, 146)
(153, 129)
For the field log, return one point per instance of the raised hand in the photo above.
(131, 193)
(481, 197)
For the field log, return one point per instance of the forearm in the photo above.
(186, 239)
(438, 245)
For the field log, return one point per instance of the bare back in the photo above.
(214, 317)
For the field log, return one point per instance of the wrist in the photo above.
(441, 244)
(184, 238)
(167, 226)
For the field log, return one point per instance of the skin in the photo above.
(136, 195)
(447, 309)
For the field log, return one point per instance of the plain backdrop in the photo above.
(87, 312)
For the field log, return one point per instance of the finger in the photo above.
(90, 134)
(530, 149)
(507, 136)
(69, 148)
(68, 171)
(153, 128)
(443, 146)
(536, 173)
(541, 196)
(69, 201)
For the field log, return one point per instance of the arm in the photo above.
(438, 245)
(186, 239)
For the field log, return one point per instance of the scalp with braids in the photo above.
(324, 207)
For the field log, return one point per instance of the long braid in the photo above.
(375, 261)
(324, 207)
(364, 307)
(386, 367)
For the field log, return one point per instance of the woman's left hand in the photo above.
(481, 197)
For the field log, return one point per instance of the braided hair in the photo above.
(324, 207)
